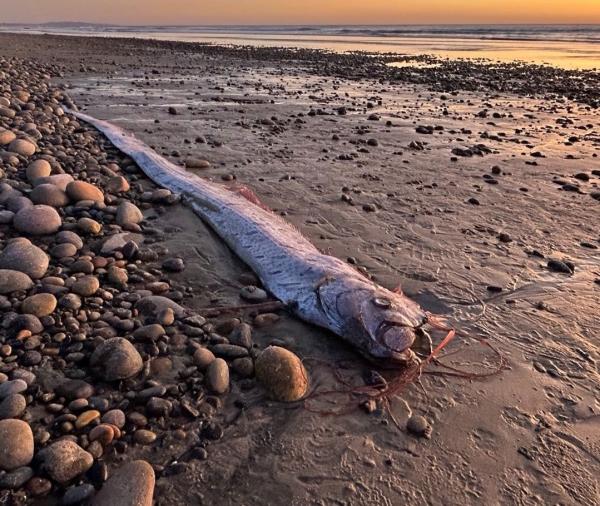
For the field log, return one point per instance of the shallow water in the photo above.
(565, 47)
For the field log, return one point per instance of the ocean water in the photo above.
(566, 46)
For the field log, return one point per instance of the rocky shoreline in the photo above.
(92, 317)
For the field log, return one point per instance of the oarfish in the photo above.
(318, 288)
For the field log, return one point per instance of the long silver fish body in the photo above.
(318, 288)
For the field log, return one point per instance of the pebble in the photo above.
(21, 255)
(80, 190)
(22, 147)
(149, 332)
(49, 195)
(144, 437)
(86, 286)
(89, 226)
(217, 376)
(14, 281)
(75, 389)
(117, 184)
(87, 417)
(40, 304)
(17, 478)
(78, 494)
(116, 359)
(59, 180)
(128, 213)
(150, 306)
(16, 386)
(6, 137)
(65, 460)
(114, 417)
(37, 220)
(38, 168)
(12, 406)
(16, 444)
(173, 265)
(203, 357)
(282, 374)
(131, 485)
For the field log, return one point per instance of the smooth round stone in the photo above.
(282, 374)
(80, 190)
(128, 213)
(87, 417)
(16, 444)
(86, 286)
(63, 250)
(6, 137)
(49, 195)
(21, 255)
(12, 406)
(117, 184)
(149, 332)
(89, 226)
(253, 294)
(203, 357)
(7, 112)
(40, 304)
(17, 478)
(78, 494)
(131, 485)
(152, 305)
(6, 217)
(117, 276)
(38, 168)
(65, 460)
(103, 433)
(70, 301)
(60, 180)
(12, 387)
(22, 147)
(75, 389)
(116, 359)
(15, 204)
(69, 237)
(173, 264)
(197, 163)
(114, 417)
(14, 281)
(37, 220)
(243, 366)
(144, 437)
(217, 376)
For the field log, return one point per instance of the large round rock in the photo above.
(65, 460)
(116, 359)
(38, 168)
(37, 220)
(80, 190)
(128, 213)
(14, 281)
(40, 304)
(49, 195)
(22, 147)
(131, 485)
(16, 444)
(21, 255)
(282, 374)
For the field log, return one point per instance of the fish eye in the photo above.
(382, 302)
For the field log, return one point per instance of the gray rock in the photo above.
(128, 213)
(14, 281)
(12, 406)
(12, 387)
(17, 478)
(131, 485)
(21, 255)
(116, 359)
(65, 460)
(49, 195)
(16, 444)
(37, 220)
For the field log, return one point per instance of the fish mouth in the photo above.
(397, 337)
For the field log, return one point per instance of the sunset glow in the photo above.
(302, 12)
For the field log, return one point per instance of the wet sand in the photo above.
(461, 197)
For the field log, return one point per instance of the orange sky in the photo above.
(302, 11)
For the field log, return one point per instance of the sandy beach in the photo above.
(475, 187)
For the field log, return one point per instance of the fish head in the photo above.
(381, 323)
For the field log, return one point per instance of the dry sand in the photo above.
(529, 435)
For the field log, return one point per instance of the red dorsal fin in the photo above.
(249, 195)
